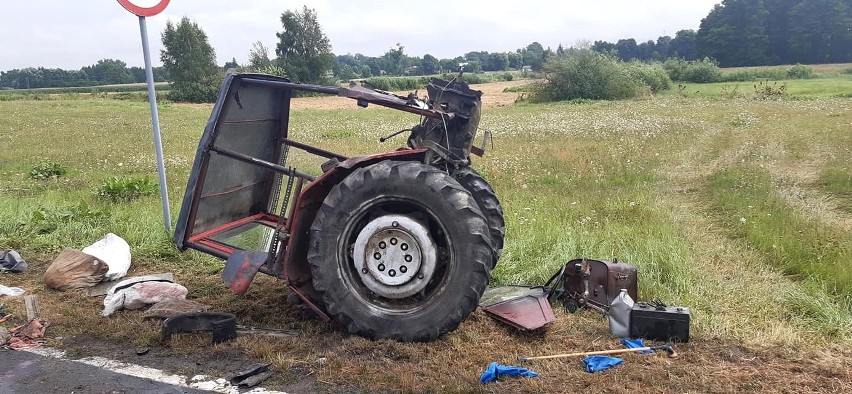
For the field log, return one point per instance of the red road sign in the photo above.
(144, 11)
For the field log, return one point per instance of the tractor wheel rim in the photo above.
(394, 256)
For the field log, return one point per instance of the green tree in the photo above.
(496, 62)
(627, 49)
(820, 31)
(303, 50)
(258, 57)
(734, 33)
(429, 64)
(109, 71)
(534, 56)
(232, 64)
(449, 65)
(683, 45)
(191, 62)
(393, 61)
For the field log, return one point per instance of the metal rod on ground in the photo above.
(155, 121)
(667, 348)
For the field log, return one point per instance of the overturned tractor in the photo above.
(392, 245)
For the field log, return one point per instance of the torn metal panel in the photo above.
(240, 269)
(526, 312)
(222, 325)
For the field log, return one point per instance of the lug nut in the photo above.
(403, 269)
(404, 246)
(393, 241)
(381, 267)
(377, 256)
(392, 273)
(382, 245)
(408, 258)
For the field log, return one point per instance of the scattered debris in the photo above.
(11, 291)
(28, 335)
(5, 336)
(600, 363)
(494, 295)
(275, 332)
(223, 325)
(172, 307)
(11, 260)
(496, 370)
(142, 351)
(251, 376)
(73, 269)
(31, 303)
(102, 288)
(114, 251)
(527, 312)
(137, 295)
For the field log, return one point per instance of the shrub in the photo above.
(394, 84)
(754, 75)
(765, 91)
(697, 71)
(800, 72)
(127, 188)
(585, 75)
(652, 75)
(847, 70)
(193, 92)
(47, 170)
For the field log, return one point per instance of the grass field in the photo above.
(738, 206)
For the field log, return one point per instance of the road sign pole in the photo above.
(155, 122)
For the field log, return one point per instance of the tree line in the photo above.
(734, 33)
(755, 33)
(104, 72)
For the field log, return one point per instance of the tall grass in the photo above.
(802, 247)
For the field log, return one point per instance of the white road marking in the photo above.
(200, 382)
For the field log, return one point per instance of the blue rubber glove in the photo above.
(600, 363)
(635, 343)
(495, 370)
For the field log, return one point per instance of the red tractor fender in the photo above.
(294, 266)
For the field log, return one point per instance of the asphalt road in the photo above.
(25, 372)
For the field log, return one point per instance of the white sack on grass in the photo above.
(141, 294)
(12, 292)
(114, 251)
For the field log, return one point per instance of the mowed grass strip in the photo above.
(747, 204)
(837, 181)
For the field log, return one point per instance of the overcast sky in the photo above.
(71, 34)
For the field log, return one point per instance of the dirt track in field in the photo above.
(492, 96)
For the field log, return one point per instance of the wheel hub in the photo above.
(395, 256)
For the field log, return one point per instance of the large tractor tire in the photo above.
(400, 250)
(488, 203)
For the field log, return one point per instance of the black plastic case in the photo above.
(669, 324)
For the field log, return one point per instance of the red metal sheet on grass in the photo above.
(525, 313)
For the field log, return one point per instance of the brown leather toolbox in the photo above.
(594, 283)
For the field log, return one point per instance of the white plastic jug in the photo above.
(619, 315)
